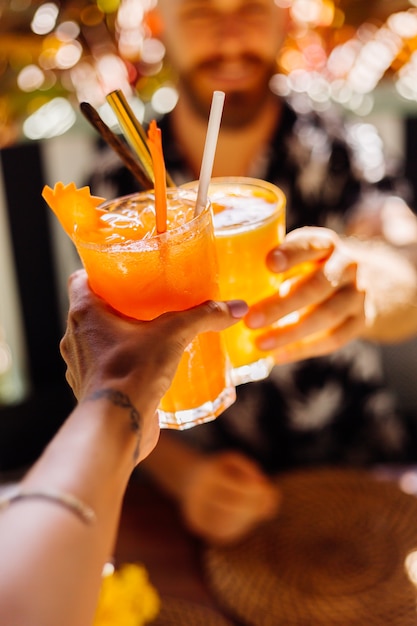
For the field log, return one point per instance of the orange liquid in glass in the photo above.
(143, 274)
(249, 220)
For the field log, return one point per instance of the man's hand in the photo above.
(319, 307)
(225, 496)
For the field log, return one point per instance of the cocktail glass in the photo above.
(249, 220)
(143, 274)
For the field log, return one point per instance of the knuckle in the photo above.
(212, 306)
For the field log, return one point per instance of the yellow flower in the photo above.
(127, 598)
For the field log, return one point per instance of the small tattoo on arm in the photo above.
(122, 400)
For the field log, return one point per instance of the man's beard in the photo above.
(241, 107)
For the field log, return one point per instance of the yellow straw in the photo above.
(119, 146)
(131, 129)
(134, 132)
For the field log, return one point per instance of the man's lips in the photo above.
(232, 74)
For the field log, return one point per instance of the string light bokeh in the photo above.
(55, 55)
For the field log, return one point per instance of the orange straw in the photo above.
(155, 146)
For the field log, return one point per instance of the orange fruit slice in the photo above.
(74, 208)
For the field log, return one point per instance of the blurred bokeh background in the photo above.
(55, 54)
(357, 55)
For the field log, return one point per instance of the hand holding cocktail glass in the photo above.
(147, 254)
(143, 273)
(320, 305)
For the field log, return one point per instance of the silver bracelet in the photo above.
(85, 513)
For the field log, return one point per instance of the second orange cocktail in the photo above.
(249, 220)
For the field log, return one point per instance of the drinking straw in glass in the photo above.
(209, 152)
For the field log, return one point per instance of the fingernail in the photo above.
(237, 308)
(277, 261)
(255, 319)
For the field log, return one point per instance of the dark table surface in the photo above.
(152, 533)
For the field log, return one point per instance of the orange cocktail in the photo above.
(249, 220)
(143, 274)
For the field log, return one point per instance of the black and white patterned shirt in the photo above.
(327, 410)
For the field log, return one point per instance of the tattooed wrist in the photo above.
(122, 400)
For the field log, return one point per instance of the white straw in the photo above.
(209, 150)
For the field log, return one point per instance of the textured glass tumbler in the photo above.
(144, 274)
(249, 220)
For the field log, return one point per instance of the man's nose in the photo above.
(230, 31)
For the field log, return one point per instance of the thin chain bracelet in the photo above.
(84, 512)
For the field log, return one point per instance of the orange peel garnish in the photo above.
(74, 208)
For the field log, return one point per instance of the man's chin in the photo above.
(240, 111)
(235, 120)
(241, 107)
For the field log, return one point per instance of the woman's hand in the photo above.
(105, 350)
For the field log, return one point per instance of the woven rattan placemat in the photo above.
(340, 553)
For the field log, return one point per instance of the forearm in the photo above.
(50, 557)
(389, 277)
